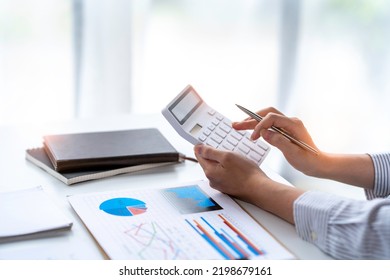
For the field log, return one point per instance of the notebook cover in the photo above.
(39, 157)
(108, 149)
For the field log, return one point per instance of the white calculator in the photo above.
(198, 123)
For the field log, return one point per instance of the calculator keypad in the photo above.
(220, 134)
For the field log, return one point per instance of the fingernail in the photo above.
(266, 135)
(254, 136)
(198, 149)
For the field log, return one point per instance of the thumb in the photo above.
(207, 152)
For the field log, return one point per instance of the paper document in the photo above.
(191, 221)
(29, 212)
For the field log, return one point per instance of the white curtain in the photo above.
(103, 57)
(136, 51)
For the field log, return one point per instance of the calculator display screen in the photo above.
(185, 105)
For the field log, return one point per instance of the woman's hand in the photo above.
(229, 172)
(233, 174)
(299, 158)
(357, 170)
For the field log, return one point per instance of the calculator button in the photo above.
(219, 117)
(221, 133)
(236, 135)
(262, 145)
(248, 143)
(252, 146)
(244, 149)
(216, 138)
(202, 138)
(225, 127)
(206, 132)
(211, 112)
(212, 143)
(232, 141)
(241, 152)
(261, 152)
(215, 122)
(228, 146)
(211, 126)
(254, 155)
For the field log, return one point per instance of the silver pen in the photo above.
(280, 130)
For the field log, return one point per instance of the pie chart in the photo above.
(123, 206)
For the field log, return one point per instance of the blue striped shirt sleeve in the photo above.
(346, 228)
(382, 176)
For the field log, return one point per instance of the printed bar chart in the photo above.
(225, 238)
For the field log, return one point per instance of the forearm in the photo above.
(356, 170)
(275, 198)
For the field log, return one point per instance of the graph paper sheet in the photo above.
(191, 221)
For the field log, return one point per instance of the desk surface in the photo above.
(17, 173)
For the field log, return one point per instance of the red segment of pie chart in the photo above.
(136, 210)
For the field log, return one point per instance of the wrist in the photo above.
(278, 199)
(321, 166)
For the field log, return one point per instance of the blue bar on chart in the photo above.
(225, 237)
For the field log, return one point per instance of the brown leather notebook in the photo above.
(38, 156)
(108, 149)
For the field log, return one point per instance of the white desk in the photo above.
(17, 173)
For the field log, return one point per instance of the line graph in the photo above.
(151, 241)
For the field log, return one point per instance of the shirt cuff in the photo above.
(312, 211)
(382, 177)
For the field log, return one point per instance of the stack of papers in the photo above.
(30, 213)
